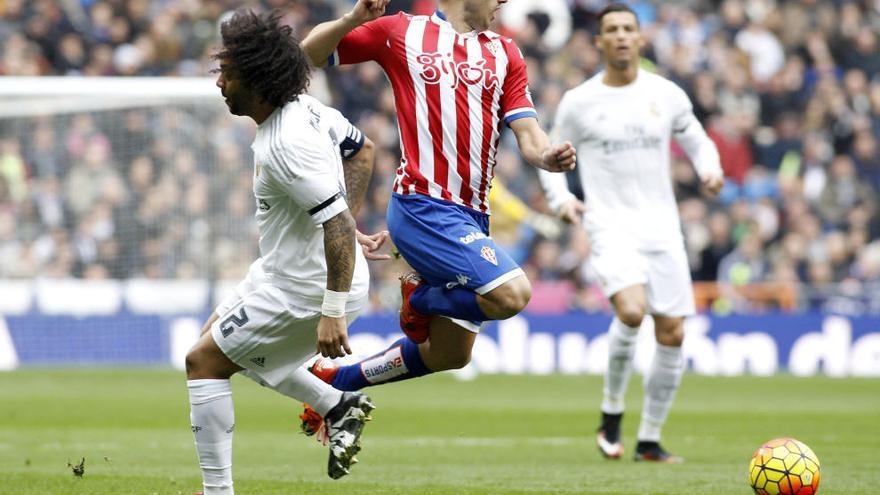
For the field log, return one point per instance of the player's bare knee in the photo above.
(675, 340)
(672, 338)
(457, 361)
(194, 361)
(631, 315)
(513, 298)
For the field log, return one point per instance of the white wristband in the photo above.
(334, 303)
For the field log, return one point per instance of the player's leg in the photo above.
(629, 310)
(467, 276)
(622, 271)
(502, 302)
(670, 299)
(273, 349)
(662, 380)
(211, 412)
(448, 348)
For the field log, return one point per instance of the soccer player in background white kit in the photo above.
(620, 121)
(311, 279)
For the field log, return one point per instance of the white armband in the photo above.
(334, 303)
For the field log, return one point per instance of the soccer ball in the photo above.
(784, 466)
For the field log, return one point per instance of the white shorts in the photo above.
(259, 330)
(664, 273)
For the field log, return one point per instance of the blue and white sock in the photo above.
(400, 361)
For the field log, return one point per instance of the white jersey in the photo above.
(622, 139)
(299, 185)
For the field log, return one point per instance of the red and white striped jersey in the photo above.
(453, 91)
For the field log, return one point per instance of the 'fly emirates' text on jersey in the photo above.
(622, 138)
(299, 185)
(453, 92)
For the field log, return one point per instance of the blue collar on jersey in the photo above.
(441, 16)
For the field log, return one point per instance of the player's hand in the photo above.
(559, 157)
(713, 183)
(367, 10)
(372, 243)
(572, 211)
(333, 337)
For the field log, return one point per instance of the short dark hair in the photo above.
(265, 55)
(613, 7)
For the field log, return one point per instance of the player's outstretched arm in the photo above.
(535, 146)
(322, 40)
(339, 252)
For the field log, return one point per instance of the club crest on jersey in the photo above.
(488, 254)
(435, 65)
(490, 45)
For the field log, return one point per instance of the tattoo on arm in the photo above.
(358, 171)
(339, 251)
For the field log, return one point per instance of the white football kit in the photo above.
(268, 324)
(622, 139)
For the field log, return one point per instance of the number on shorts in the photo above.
(234, 320)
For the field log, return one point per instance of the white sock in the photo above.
(661, 382)
(621, 349)
(303, 386)
(213, 421)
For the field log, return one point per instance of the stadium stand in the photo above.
(795, 113)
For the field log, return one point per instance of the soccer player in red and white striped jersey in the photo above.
(453, 91)
(455, 83)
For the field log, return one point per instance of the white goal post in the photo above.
(29, 96)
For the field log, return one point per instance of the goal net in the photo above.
(120, 196)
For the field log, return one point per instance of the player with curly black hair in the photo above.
(264, 56)
(267, 328)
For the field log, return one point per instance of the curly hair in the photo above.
(265, 55)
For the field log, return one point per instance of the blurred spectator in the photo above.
(843, 191)
(788, 91)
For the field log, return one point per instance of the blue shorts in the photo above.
(448, 244)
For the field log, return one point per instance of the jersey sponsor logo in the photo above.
(435, 65)
(473, 236)
(488, 254)
(637, 143)
(384, 367)
(640, 139)
(234, 320)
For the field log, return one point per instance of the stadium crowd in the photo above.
(788, 90)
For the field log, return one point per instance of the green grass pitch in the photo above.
(437, 435)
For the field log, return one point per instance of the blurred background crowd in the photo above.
(788, 90)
